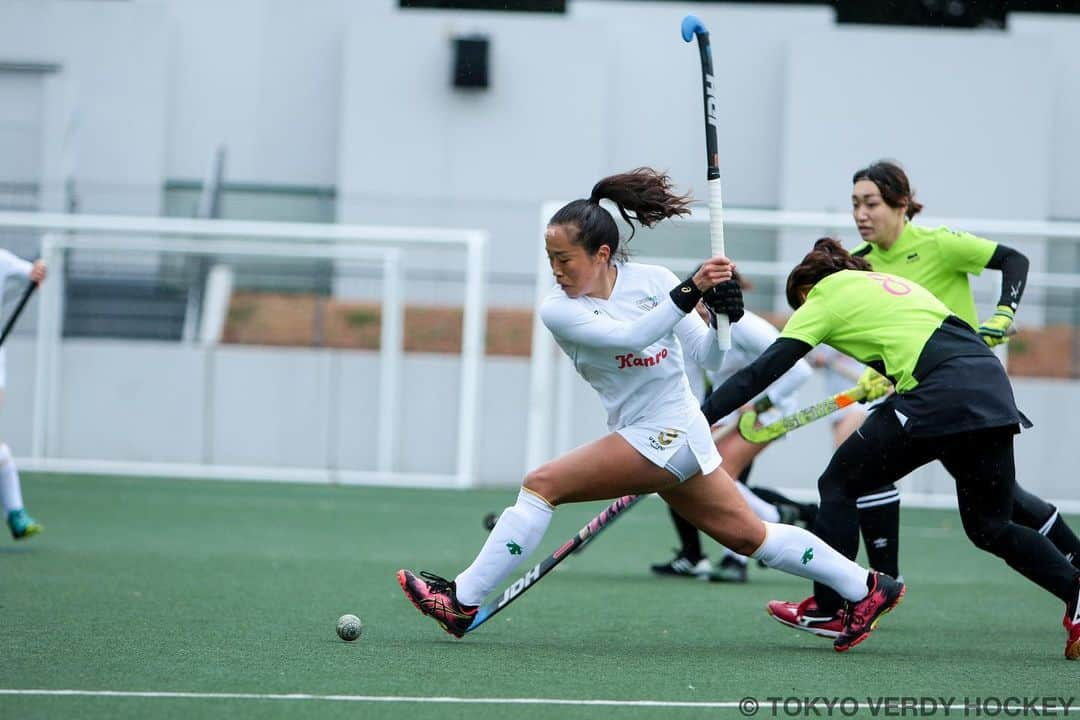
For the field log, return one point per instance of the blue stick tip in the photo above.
(691, 26)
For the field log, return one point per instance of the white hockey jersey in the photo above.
(629, 347)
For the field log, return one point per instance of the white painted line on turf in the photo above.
(364, 698)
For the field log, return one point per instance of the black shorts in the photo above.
(967, 391)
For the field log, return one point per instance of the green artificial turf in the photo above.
(152, 585)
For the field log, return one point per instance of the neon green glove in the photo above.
(874, 384)
(996, 330)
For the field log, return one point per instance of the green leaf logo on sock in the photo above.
(513, 547)
(807, 555)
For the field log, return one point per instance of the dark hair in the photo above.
(892, 182)
(643, 195)
(744, 284)
(827, 257)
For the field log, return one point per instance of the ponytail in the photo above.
(642, 195)
(827, 257)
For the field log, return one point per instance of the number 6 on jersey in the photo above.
(691, 27)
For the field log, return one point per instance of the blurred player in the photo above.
(841, 373)
(19, 521)
(749, 338)
(625, 326)
(953, 403)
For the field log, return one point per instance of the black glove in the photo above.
(725, 299)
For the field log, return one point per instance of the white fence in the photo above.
(51, 442)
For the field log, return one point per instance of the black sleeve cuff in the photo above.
(685, 295)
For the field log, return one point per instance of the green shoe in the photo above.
(22, 525)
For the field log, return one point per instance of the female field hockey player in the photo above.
(953, 403)
(941, 260)
(625, 326)
(19, 522)
(749, 338)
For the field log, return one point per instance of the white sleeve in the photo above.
(699, 341)
(753, 334)
(756, 334)
(788, 383)
(576, 323)
(11, 264)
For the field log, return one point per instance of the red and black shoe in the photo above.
(1072, 628)
(436, 597)
(863, 616)
(807, 616)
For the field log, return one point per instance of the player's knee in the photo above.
(988, 535)
(747, 542)
(542, 481)
(831, 487)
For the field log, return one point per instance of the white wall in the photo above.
(262, 77)
(968, 114)
(103, 111)
(607, 87)
(1059, 37)
(358, 95)
(20, 126)
(261, 407)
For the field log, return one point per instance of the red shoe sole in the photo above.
(830, 634)
(402, 582)
(874, 624)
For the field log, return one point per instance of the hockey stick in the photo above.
(519, 586)
(803, 417)
(762, 405)
(691, 27)
(18, 311)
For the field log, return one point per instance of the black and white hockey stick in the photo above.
(519, 586)
(693, 27)
(17, 311)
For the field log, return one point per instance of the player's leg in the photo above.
(1032, 511)
(19, 521)
(983, 467)
(739, 454)
(879, 452)
(609, 467)
(879, 525)
(879, 510)
(712, 502)
(689, 560)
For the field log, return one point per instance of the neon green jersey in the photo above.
(873, 317)
(939, 259)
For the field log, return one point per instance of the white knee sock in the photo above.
(794, 550)
(518, 532)
(10, 492)
(764, 510)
